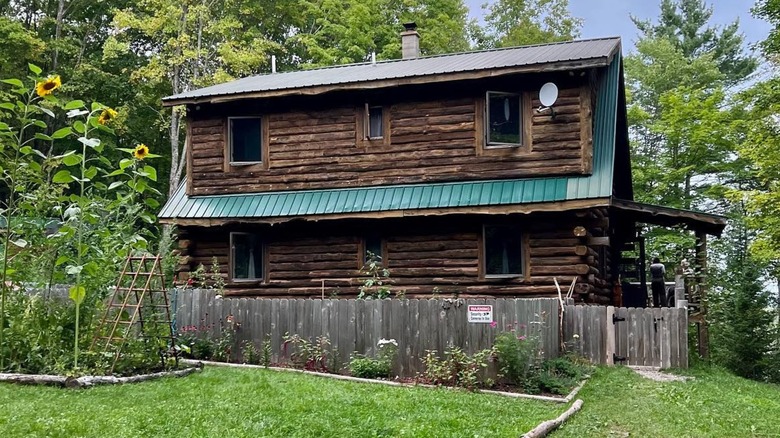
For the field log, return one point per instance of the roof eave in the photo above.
(577, 64)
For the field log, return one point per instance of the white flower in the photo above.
(576, 336)
(386, 341)
(218, 297)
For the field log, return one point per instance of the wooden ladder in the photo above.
(139, 307)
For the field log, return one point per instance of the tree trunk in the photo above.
(58, 33)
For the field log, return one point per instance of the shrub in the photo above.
(518, 356)
(311, 356)
(558, 376)
(458, 368)
(376, 368)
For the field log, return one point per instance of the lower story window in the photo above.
(503, 251)
(246, 256)
(372, 249)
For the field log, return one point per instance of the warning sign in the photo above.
(481, 314)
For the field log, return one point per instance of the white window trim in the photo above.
(485, 257)
(500, 145)
(233, 260)
(230, 141)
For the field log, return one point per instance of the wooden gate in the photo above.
(656, 337)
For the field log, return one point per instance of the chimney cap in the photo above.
(410, 26)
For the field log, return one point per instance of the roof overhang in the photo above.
(580, 64)
(666, 216)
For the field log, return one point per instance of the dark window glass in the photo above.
(503, 250)
(373, 248)
(247, 256)
(375, 123)
(245, 140)
(504, 120)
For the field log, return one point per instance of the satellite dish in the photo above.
(548, 94)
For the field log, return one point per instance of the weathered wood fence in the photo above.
(656, 337)
(357, 325)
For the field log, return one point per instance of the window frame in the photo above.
(362, 249)
(232, 260)
(263, 164)
(363, 128)
(498, 145)
(482, 127)
(524, 257)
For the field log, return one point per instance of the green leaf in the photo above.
(35, 69)
(46, 111)
(91, 142)
(125, 163)
(147, 217)
(25, 150)
(73, 270)
(39, 123)
(61, 259)
(8, 106)
(62, 177)
(41, 136)
(77, 293)
(91, 172)
(97, 106)
(152, 203)
(3, 126)
(115, 184)
(62, 132)
(14, 82)
(151, 172)
(73, 104)
(72, 160)
(117, 172)
(78, 125)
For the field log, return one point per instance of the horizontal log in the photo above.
(275, 123)
(438, 120)
(398, 113)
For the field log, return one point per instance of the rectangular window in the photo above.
(375, 122)
(372, 247)
(246, 257)
(245, 134)
(504, 120)
(503, 251)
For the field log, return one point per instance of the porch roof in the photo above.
(655, 214)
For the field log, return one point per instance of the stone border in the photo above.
(88, 381)
(566, 399)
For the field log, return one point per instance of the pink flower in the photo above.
(493, 324)
(521, 338)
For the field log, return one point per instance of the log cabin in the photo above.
(449, 167)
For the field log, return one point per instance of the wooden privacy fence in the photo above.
(353, 325)
(656, 337)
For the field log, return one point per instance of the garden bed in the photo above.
(88, 381)
(549, 398)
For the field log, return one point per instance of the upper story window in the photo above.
(246, 257)
(504, 127)
(375, 122)
(373, 248)
(373, 125)
(503, 251)
(246, 140)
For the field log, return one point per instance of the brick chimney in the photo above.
(410, 41)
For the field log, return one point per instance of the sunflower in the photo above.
(106, 116)
(141, 151)
(47, 86)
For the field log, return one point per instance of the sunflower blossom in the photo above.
(106, 116)
(47, 86)
(141, 151)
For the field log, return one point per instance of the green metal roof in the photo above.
(424, 196)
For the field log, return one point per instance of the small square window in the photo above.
(245, 140)
(246, 257)
(375, 122)
(504, 120)
(503, 251)
(372, 248)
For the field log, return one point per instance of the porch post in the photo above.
(701, 282)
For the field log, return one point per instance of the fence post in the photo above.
(609, 329)
(679, 292)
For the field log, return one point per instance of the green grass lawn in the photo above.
(229, 403)
(716, 404)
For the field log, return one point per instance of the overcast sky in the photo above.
(611, 17)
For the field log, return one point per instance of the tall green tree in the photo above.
(522, 22)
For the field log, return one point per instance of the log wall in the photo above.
(426, 257)
(432, 140)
